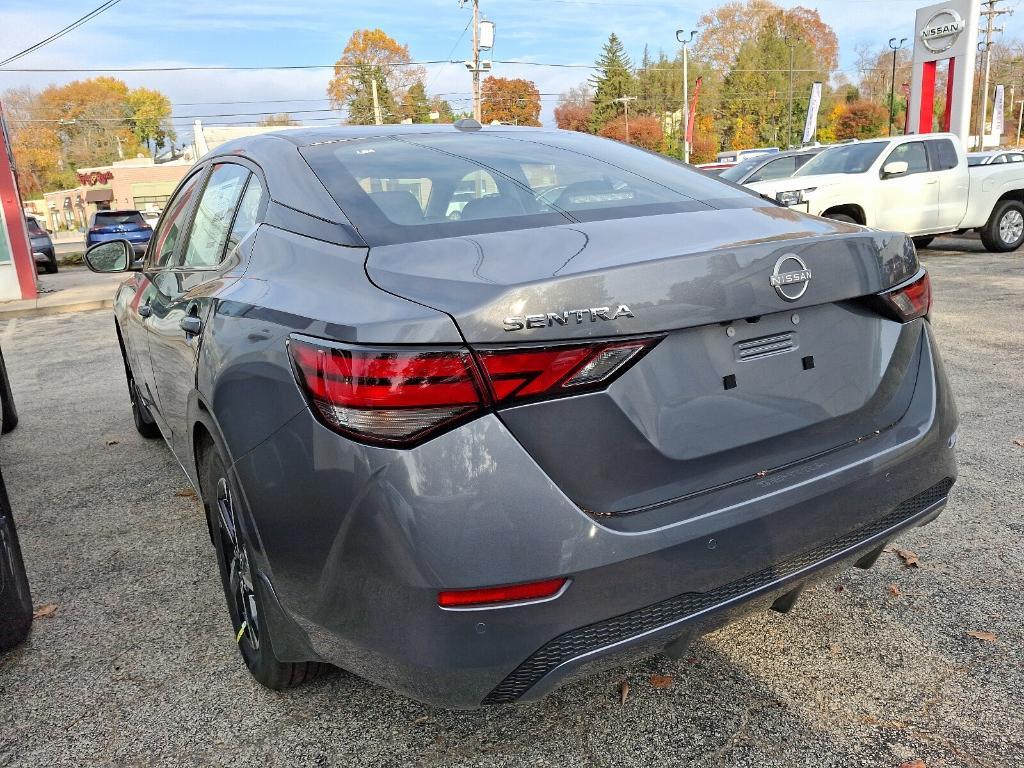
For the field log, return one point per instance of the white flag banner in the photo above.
(997, 113)
(811, 124)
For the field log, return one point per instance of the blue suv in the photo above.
(119, 225)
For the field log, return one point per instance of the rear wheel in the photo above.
(51, 265)
(923, 242)
(144, 421)
(243, 588)
(15, 598)
(841, 217)
(1004, 230)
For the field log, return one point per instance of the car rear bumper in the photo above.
(358, 541)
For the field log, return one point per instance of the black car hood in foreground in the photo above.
(670, 271)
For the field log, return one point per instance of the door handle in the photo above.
(145, 310)
(191, 325)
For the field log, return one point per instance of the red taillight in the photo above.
(912, 300)
(523, 373)
(387, 396)
(400, 395)
(536, 590)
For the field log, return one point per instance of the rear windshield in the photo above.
(117, 218)
(34, 228)
(418, 187)
(853, 158)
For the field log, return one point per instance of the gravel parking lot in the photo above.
(137, 664)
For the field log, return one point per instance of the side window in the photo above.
(209, 233)
(1015, 158)
(913, 154)
(248, 213)
(776, 169)
(943, 154)
(172, 224)
(1000, 159)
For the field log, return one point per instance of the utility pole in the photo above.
(1020, 118)
(892, 84)
(625, 103)
(685, 121)
(476, 61)
(990, 14)
(791, 42)
(378, 118)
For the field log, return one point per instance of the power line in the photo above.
(59, 34)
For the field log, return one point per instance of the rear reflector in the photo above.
(912, 300)
(537, 590)
(399, 396)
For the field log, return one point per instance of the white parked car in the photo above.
(995, 157)
(919, 184)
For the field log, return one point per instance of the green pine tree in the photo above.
(415, 104)
(613, 81)
(360, 104)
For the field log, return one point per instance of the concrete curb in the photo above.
(55, 309)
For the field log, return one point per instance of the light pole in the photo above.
(685, 121)
(791, 42)
(892, 83)
(625, 103)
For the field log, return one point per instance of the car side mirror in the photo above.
(111, 256)
(895, 168)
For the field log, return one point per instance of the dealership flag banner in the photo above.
(811, 125)
(997, 113)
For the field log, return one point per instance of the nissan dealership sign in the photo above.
(941, 31)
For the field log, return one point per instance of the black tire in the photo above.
(51, 265)
(15, 597)
(145, 424)
(1004, 230)
(923, 242)
(244, 590)
(841, 217)
(8, 411)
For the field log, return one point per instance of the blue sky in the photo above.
(256, 33)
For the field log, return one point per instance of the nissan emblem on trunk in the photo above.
(790, 283)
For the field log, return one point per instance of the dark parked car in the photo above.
(765, 167)
(612, 404)
(15, 598)
(119, 225)
(43, 253)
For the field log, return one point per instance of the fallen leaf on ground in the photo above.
(45, 611)
(840, 588)
(1019, 443)
(623, 692)
(909, 557)
(111, 442)
(894, 590)
(835, 649)
(988, 637)
(421, 720)
(187, 493)
(914, 764)
(661, 681)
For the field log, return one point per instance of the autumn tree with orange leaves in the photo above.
(643, 130)
(372, 55)
(510, 100)
(574, 109)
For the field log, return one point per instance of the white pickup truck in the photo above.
(919, 184)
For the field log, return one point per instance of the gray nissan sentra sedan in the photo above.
(472, 411)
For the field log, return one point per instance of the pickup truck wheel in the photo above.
(922, 242)
(1005, 228)
(841, 217)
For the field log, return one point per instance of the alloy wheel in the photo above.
(240, 577)
(1011, 226)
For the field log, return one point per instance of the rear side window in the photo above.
(117, 219)
(172, 224)
(945, 154)
(209, 233)
(34, 228)
(247, 216)
(427, 186)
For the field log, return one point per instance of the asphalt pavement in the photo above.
(136, 665)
